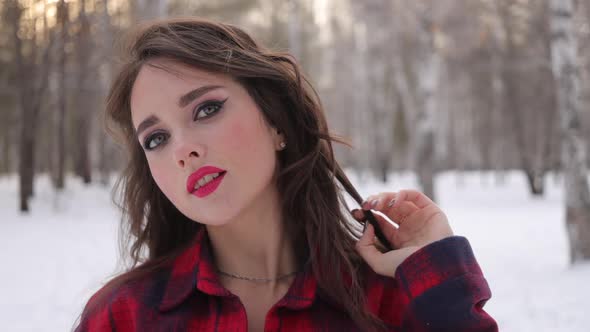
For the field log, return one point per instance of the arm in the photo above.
(445, 289)
(437, 273)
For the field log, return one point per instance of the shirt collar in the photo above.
(194, 270)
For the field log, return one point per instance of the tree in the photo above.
(62, 18)
(148, 9)
(531, 133)
(83, 98)
(422, 103)
(32, 80)
(425, 162)
(566, 71)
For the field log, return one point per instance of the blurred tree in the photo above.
(515, 30)
(62, 16)
(375, 103)
(106, 157)
(428, 78)
(565, 67)
(83, 98)
(419, 85)
(419, 88)
(148, 9)
(32, 63)
(8, 101)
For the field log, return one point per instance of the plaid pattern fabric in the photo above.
(438, 288)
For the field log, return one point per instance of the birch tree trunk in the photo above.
(148, 9)
(566, 72)
(361, 97)
(407, 97)
(294, 29)
(83, 96)
(381, 101)
(60, 118)
(428, 78)
(424, 159)
(105, 158)
(32, 82)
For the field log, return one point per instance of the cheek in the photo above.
(249, 146)
(163, 177)
(246, 137)
(242, 137)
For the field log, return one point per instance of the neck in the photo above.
(255, 245)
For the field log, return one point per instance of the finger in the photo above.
(385, 202)
(377, 202)
(366, 247)
(387, 227)
(399, 212)
(417, 197)
(379, 262)
(357, 214)
(368, 202)
(428, 213)
(396, 212)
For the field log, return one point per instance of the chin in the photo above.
(213, 222)
(212, 218)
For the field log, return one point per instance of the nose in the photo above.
(187, 153)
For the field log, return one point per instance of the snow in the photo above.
(60, 254)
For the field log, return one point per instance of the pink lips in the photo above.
(209, 187)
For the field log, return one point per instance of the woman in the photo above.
(233, 194)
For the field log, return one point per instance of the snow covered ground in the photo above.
(55, 258)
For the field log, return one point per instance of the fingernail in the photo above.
(374, 202)
(390, 204)
(365, 205)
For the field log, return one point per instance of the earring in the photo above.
(282, 145)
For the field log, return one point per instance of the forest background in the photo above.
(487, 87)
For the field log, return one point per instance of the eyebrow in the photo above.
(184, 100)
(188, 97)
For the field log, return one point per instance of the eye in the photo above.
(208, 109)
(153, 141)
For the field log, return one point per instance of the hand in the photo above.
(420, 222)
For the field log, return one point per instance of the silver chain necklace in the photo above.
(284, 276)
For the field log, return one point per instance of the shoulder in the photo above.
(118, 303)
(109, 301)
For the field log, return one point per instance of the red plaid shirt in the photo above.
(438, 288)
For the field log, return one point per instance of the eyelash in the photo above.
(218, 104)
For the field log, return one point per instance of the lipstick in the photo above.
(209, 187)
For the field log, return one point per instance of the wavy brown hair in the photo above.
(308, 178)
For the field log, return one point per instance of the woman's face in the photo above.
(187, 119)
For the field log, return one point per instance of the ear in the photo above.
(279, 139)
